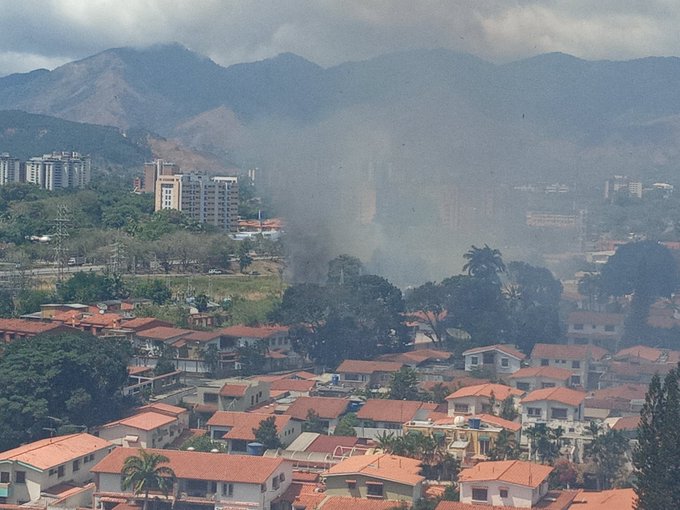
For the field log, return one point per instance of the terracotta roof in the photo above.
(102, 319)
(562, 351)
(560, 374)
(355, 366)
(139, 370)
(596, 318)
(204, 336)
(141, 323)
(303, 495)
(516, 472)
(635, 370)
(241, 424)
(651, 354)
(53, 451)
(396, 411)
(219, 467)
(144, 421)
(329, 444)
(558, 394)
(618, 499)
(163, 333)
(234, 390)
(342, 503)
(418, 356)
(504, 348)
(299, 385)
(160, 407)
(26, 326)
(328, 408)
(625, 391)
(500, 422)
(253, 332)
(627, 423)
(388, 467)
(499, 391)
(457, 505)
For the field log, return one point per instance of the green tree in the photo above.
(544, 442)
(313, 423)
(252, 358)
(74, 377)
(428, 306)
(404, 384)
(91, 287)
(657, 455)
(143, 473)
(201, 303)
(6, 303)
(346, 425)
(344, 269)
(267, 434)
(508, 410)
(608, 453)
(156, 290)
(505, 447)
(485, 263)
(164, 366)
(211, 358)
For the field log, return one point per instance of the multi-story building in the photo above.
(10, 169)
(205, 199)
(153, 170)
(59, 170)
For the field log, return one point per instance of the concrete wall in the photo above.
(336, 485)
(518, 496)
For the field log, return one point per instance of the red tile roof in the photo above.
(204, 336)
(355, 366)
(329, 444)
(241, 424)
(457, 505)
(418, 356)
(562, 351)
(560, 374)
(328, 408)
(299, 385)
(614, 499)
(504, 348)
(558, 394)
(395, 411)
(220, 467)
(233, 390)
(53, 451)
(253, 332)
(141, 323)
(160, 407)
(627, 423)
(516, 472)
(102, 319)
(342, 503)
(27, 327)
(625, 392)
(144, 421)
(305, 495)
(388, 467)
(164, 333)
(500, 422)
(651, 354)
(499, 391)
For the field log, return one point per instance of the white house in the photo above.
(212, 480)
(578, 359)
(146, 429)
(536, 378)
(236, 428)
(28, 471)
(481, 398)
(499, 359)
(553, 404)
(507, 483)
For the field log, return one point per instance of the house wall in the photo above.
(513, 364)
(518, 496)
(546, 406)
(336, 485)
(537, 383)
(580, 370)
(476, 405)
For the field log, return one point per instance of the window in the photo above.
(545, 362)
(351, 484)
(275, 483)
(557, 413)
(263, 487)
(228, 489)
(505, 362)
(578, 327)
(534, 411)
(474, 360)
(4, 476)
(610, 328)
(20, 476)
(76, 465)
(374, 489)
(61, 471)
(460, 408)
(504, 493)
(576, 380)
(479, 494)
(209, 397)
(488, 358)
(484, 446)
(524, 386)
(547, 385)
(575, 364)
(282, 477)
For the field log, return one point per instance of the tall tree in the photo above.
(267, 434)
(608, 453)
(485, 263)
(657, 455)
(144, 473)
(427, 305)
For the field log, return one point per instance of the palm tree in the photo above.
(484, 262)
(144, 473)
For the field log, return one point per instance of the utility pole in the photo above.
(61, 224)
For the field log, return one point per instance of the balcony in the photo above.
(5, 490)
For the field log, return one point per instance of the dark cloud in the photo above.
(47, 33)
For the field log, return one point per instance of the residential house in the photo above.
(535, 378)
(363, 374)
(14, 329)
(153, 426)
(553, 404)
(380, 416)
(496, 359)
(96, 323)
(231, 395)
(209, 480)
(379, 476)
(581, 360)
(293, 387)
(313, 451)
(508, 483)
(274, 337)
(642, 354)
(144, 380)
(613, 499)
(31, 469)
(236, 428)
(482, 398)
(595, 328)
(153, 340)
(623, 400)
(470, 438)
(619, 373)
(328, 409)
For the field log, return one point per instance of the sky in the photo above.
(48, 33)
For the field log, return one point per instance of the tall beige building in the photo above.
(205, 199)
(155, 169)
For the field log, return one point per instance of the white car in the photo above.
(215, 271)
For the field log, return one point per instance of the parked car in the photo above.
(215, 271)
